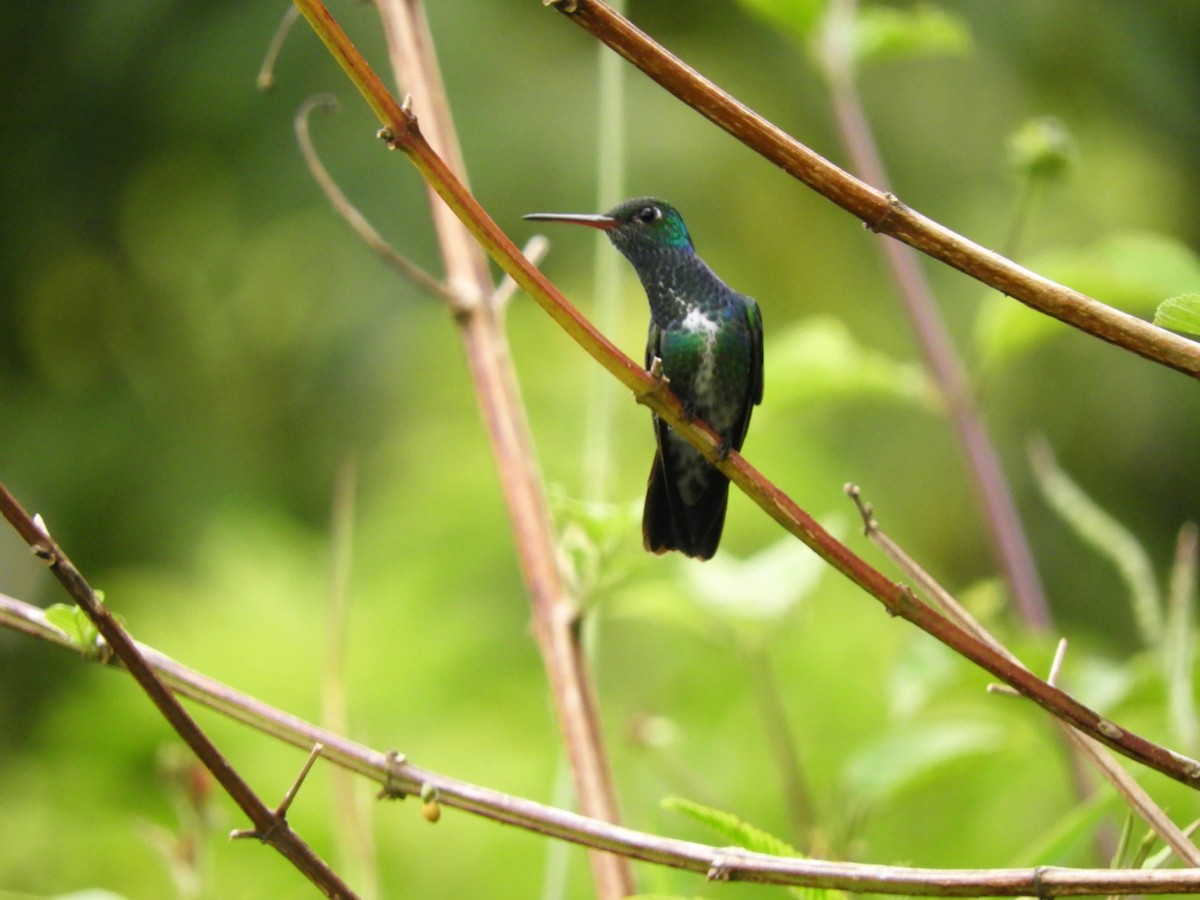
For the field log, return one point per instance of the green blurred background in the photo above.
(192, 345)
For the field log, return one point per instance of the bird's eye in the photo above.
(649, 214)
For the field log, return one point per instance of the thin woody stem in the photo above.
(403, 134)
(554, 609)
(1009, 542)
(880, 211)
(347, 210)
(1087, 748)
(269, 827)
(400, 777)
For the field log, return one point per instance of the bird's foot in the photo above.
(656, 371)
(723, 449)
(661, 383)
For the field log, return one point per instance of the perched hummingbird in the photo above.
(709, 339)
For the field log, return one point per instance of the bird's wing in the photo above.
(754, 320)
(754, 391)
(653, 344)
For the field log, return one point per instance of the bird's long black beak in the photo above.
(604, 223)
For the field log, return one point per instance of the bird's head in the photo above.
(636, 226)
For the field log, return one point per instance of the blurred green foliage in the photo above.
(191, 344)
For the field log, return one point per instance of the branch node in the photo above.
(907, 596)
(1191, 768)
(722, 866)
(388, 136)
(1108, 729)
(895, 208)
(1039, 889)
(570, 7)
(391, 790)
(267, 837)
(46, 553)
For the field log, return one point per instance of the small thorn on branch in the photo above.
(1060, 653)
(279, 817)
(283, 807)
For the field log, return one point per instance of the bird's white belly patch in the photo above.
(700, 324)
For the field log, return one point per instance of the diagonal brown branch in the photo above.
(269, 827)
(402, 133)
(880, 211)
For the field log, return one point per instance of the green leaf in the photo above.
(896, 762)
(1105, 535)
(762, 587)
(819, 359)
(922, 670)
(731, 828)
(1041, 149)
(1180, 313)
(1131, 272)
(590, 533)
(886, 33)
(1179, 640)
(798, 17)
(1165, 855)
(74, 623)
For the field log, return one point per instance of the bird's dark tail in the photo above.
(670, 524)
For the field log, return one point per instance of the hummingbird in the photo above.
(707, 340)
